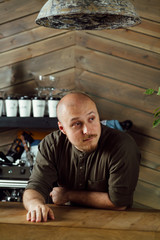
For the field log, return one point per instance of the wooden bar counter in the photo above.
(75, 223)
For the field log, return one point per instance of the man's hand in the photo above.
(40, 213)
(59, 195)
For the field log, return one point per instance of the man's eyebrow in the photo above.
(73, 119)
(92, 112)
(76, 118)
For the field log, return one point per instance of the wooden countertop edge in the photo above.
(85, 218)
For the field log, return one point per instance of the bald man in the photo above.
(83, 163)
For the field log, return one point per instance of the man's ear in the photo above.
(61, 128)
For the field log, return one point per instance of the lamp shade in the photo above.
(88, 14)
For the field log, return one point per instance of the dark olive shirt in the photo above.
(113, 167)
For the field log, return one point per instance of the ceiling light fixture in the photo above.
(88, 14)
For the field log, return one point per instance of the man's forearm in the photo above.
(32, 197)
(92, 199)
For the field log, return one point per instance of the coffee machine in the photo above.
(13, 180)
(16, 167)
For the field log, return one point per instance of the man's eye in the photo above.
(91, 119)
(76, 124)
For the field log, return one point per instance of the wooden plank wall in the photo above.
(113, 66)
(27, 50)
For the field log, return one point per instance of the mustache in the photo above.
(89, 136)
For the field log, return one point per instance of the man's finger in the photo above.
(29, 216)
(38, 215)
(51, 214)
(44, 214)
(47, 213)
(33, 216)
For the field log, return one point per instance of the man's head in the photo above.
(79, 120)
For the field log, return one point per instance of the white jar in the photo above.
(24, 106)
(11, 104)
(38, 105)
(1, 106)
(52, 104)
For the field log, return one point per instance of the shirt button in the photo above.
(80, 184)
(81, 167)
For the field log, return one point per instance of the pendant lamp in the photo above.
(88, 14)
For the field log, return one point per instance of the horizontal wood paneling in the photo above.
(147, 27)
(141, 206)
(20, 25)
(28, 37)
(117, 91)
(118, 49)
(148, 9)
(129, 37)
(36, 49)
(150, 176)
(147, 144)
(150, 160)
(44, 64)
(14, 9)
(66, 81)
(147, 195)
(120, 69)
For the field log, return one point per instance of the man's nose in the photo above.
(86, 129)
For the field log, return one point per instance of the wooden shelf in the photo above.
(28, 122)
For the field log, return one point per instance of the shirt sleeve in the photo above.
(44, 174)
(123, 171)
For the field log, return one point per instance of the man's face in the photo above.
(82, 126)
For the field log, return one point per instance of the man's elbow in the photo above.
(121, 208)
(116, 207)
